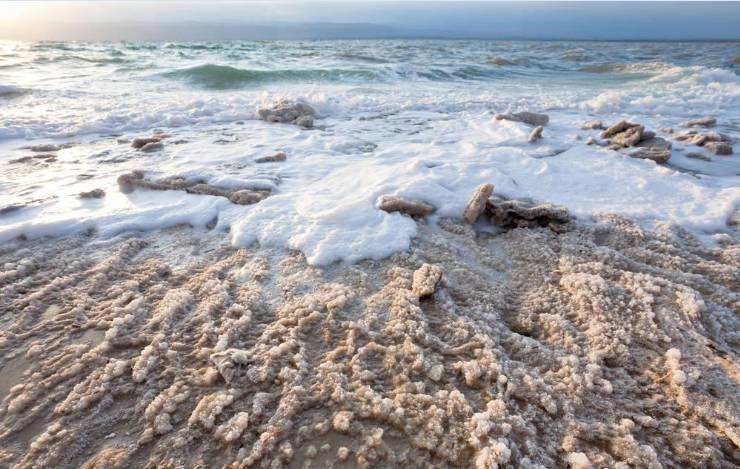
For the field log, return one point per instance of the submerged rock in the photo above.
(701, 122)
(279, 156)
(530, 118)
(719, 148)
(535, 134)
(414, 208)
(289, 112)
(247, 196)
(93, 194)
(425, 280)
(698, 156)
(477, 203)
(152, 147)
(525, 213)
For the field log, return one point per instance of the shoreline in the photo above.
(603, 344)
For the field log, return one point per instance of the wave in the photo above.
(634, 67)
(221, 77)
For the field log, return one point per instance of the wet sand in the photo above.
(603, 346)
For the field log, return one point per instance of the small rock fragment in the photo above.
(535, 134)
(477, 203)
(628, 137)
(531, 118)
(414, 208)
(425, 280)
(279, 156)
(593, 125)
(93, 194)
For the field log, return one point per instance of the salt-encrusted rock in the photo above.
(525, 213)
(719, 148)
(414, 208)
(129, 182)
(593, 125)
(279, 156)
(657, 149)
(49, 147)
(530, 118)
(619, 127)
(666, 130)
(93, 194)
(477, 203)
(152, 147)
(288, 112)
(701, 122)
(628, 137)
(246, 197)
(425, 280)
(535, 134)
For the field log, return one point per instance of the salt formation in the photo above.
(477, 203)
(535, 134)
(289, 112)
(701, 122)
(715, 142)
(603, 345)
(525, 213)
(414, 208)
(625, 135)
(128, 182)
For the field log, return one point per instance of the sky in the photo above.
(200, 20)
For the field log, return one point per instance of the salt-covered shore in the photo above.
(591, 345)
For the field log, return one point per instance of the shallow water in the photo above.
(412, 118)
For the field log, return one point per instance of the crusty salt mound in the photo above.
(602, 346)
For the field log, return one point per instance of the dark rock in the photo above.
(719, 148)
(279, 156)
(525, 213)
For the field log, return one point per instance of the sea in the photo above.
(412, 118)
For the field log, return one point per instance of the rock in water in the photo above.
(657, 149)
(702, 122)
(619, 127)
(628, 137)
(530, 118)
(425, 280)
(93, 194)
(414, 208)
(719, 148)
(477, 203)
(535, 134)
(279, 156)
(288, 112)
(141, 142)
(698, 156)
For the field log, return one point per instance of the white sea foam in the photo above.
(421, 136)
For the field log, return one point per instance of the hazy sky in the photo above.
(164, 20)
